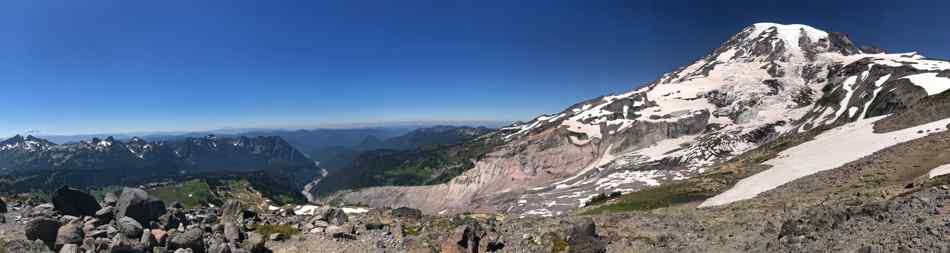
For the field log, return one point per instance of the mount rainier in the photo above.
(767, 81)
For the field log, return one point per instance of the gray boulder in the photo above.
(191, 239)
(71, 233)
(335, 216)
(138, 205)
(74, 202)
(583, 237)
(129, 227)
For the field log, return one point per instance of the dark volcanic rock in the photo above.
(138, 205)
(872, 50)
(44, 229)
(73, 202)
(172, 219)
(106, 213)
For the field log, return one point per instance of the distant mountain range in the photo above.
(397, 128)
(31, 163)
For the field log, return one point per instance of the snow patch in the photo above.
(354, 210)
(829, 150)
(932, 83)
(939, 171)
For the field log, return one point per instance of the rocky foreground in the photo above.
(133, 221)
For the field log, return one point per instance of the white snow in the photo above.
(647, 177)
(939, 171)
(306, 209)
(350, 210)
(828, 150)
(791, 33)
(932, 83)
(661, 148)
(538, 212)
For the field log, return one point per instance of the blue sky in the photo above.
(122, 66)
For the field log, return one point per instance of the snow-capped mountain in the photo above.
(109, 161)
(27, 144)
(767, 80)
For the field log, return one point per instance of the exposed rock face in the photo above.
(73, 202)
(926, 110)
(138, 205)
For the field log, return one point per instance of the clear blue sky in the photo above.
(118, 66)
